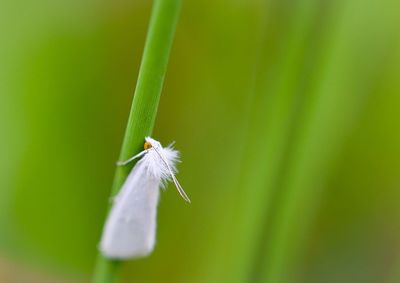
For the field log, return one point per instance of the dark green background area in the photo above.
(286, 114)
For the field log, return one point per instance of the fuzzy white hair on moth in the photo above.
(130, 229)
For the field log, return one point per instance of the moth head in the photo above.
(149, 143)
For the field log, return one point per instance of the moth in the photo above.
(130, 229)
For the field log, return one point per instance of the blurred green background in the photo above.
(286, 114)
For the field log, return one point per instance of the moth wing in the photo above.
(130, 229)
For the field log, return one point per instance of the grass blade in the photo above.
(159, 40)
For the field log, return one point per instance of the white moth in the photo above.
(130, 229)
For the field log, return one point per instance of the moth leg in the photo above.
(140, 154)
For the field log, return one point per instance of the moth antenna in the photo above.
(140, 154)
(174, 179)
(179, 188)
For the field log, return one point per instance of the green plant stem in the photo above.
(143, 112)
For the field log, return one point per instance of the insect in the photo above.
(130, 229)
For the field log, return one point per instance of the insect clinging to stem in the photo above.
(130, 228)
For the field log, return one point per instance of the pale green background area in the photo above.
(286, 114)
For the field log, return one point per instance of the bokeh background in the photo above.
(286, 114)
